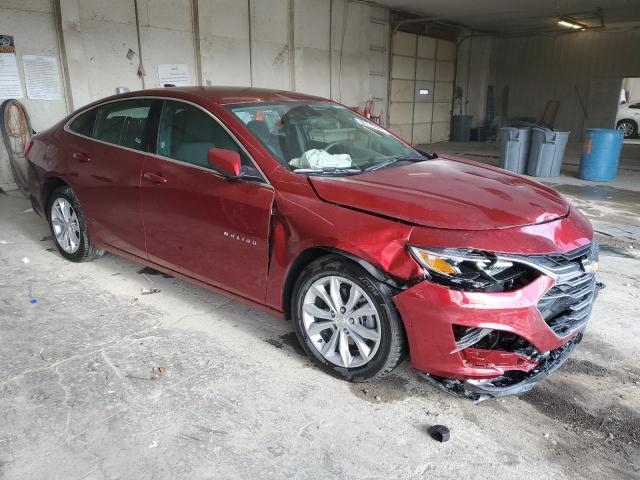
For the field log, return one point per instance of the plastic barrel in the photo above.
(546, 153)
(514, 148)
(600, 154)
(462, 128)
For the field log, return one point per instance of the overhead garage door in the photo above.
(422, 70)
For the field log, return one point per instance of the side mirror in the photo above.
(226, 162)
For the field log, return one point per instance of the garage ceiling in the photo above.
(508, 16)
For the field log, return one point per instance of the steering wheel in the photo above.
(331, 145)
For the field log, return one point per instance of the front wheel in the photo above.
(346, 321)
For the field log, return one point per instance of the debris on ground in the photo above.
(149, 291)
(34, 301)
(547, 436)
(152, 375)
(25, 260)
(6, 242)
(439, 433)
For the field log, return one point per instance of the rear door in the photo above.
(197, 222)
(107, 165)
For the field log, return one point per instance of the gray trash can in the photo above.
(514, 148)
(462, 128)
(546, 153)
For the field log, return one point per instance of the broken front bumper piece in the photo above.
(512, 383)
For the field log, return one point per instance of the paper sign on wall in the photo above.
(41, 77)
(10, 86)
(176, 74)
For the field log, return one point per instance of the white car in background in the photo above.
(628, 118)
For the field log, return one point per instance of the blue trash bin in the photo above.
(600, 154)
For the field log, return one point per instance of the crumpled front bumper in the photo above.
(430, 311)
(479, 390)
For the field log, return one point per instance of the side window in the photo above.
(83, 123)
(186, 133)
(123, 122)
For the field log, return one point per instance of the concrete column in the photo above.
(73, 57)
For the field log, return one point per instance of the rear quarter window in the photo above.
(83, 123)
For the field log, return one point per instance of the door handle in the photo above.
(154, 177)
(82, 157)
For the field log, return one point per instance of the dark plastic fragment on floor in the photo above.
(439, 433)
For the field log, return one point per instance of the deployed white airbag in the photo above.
(316, 158)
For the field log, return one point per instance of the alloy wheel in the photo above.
(66, 226)
(341, 321)
(627, 128)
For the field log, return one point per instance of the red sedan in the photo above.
(297, 204)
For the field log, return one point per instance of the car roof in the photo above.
(226, 95)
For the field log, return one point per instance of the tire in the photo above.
(83, 250)
(385, 353)
(629, 127)
(16, 126)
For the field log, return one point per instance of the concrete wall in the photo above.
(223, 42)
(32, 23)
(475, 72)
(539, 69)
(632, 89)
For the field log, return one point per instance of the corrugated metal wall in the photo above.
(539, 69)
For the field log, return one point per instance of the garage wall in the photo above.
(338, 47)
(475, 72)
(21, 18)
(379, 60)
(224, 42)
(312, 40)
(538, 69)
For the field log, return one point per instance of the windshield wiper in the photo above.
(391, 161)
(329, 171)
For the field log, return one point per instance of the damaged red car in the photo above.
(375, 249)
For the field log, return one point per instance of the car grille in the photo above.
(567, 305)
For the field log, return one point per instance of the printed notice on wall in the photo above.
(175, 74)
(10, 86)
(41, 77)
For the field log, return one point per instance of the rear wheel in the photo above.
(629, 128)
(68, 227)
(346, 321)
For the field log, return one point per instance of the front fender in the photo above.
(303, 223)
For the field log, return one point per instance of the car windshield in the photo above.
(323, 138)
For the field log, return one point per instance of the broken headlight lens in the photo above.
(472, 269)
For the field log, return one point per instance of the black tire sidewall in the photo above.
(334, 265)
(84, 250)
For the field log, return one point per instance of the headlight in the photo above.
(472, 269)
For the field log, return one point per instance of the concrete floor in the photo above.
(79, 397)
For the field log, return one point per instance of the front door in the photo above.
(197, 222)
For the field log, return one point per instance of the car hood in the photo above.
(448, 192)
